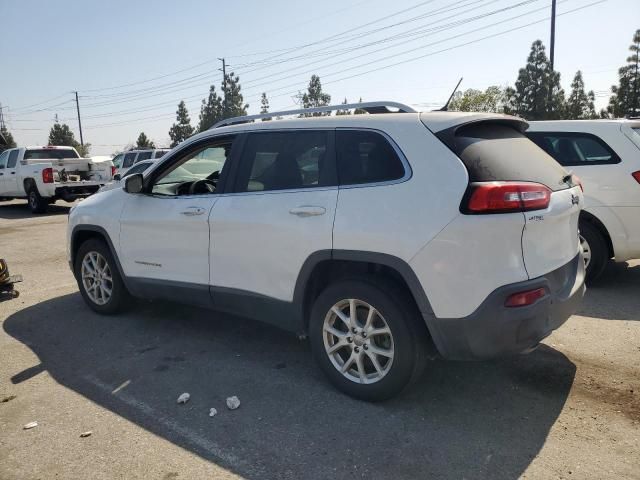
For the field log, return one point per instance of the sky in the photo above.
(132, 62)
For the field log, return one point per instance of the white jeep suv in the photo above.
(385, 238)
(605, 155)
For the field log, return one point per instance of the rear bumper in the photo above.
(71, 193)
(494, 330)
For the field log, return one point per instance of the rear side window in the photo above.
(284, 161)
(143, 156)
(494, 152)
(366, 157)
(128, 160)
(575, 148)
(160, 153)
(13, 158)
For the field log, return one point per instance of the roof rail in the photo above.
(369, 107)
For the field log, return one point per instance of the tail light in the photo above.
(636, 175)
(47, 175)
(506, 197)
(576, 181)
(522, 299)
(113, 170)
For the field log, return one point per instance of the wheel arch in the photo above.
(323, 267)
(589, 217)
(82, 233)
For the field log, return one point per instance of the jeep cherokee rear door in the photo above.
(280, 211)
(509, 173)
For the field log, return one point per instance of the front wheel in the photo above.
(366, 339)
(98, 278)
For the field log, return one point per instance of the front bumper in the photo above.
(494, 330)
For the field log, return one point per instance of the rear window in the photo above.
(575, 148)
(494, 152)
(46, 153)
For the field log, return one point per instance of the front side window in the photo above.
(569, 148)
(196, 173)
(3, 159)
(13, 158)
(284, 160)
(366, 157)
(128, 159)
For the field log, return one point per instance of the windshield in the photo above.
(47, 153)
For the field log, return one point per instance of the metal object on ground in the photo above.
(7, 282)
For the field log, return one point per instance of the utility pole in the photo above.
(2, 125)
(79, 122)
(224, 82)
(553, 33)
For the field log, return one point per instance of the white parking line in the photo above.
(157, 417)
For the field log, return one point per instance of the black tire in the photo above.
(120, 298)
(403, 320)
(599, 251)
(37, 204)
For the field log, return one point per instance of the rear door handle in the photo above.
(307, 211)
(193, 211)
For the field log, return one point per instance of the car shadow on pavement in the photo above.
(462, 420)
(14, 211)
(615, 295)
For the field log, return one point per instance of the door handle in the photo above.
(193, 211)
(307, 211)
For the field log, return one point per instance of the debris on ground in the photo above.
(184, 398)
(213, 412)
(11, 397)
(30, 425)
(233, 402)
(86, 434)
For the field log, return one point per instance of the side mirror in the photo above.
(117, 177)
(133, 183)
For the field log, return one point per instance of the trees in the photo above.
(61, 134)
(182, 129)
(233, 103)
(8, 139)
(144, 142)
(315, 97)
(359, 111)
(625, 101)
(264, 106)
(580, 105)
(471, 100)
(537, 94)
(345, 111)
(210, 110)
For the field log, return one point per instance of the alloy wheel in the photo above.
(586, 251)
(358, 341)
(96, 278)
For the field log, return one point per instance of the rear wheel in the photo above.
(37, 204)
(594, 250)
(98, 278)
(366, 339)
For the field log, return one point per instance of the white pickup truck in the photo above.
(43, 175)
